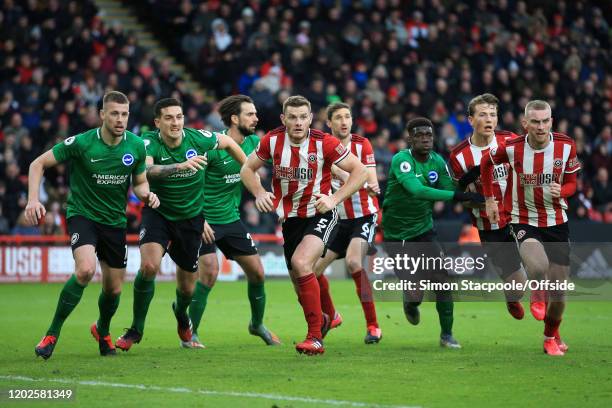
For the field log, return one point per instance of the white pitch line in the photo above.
(203, 392)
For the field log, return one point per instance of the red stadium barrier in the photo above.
(35, 258)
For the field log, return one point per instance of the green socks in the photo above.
(182, 302)
(68, 299)
(143, 294)
(257, 298)
(107, 303)
(198, 304)
(445, 314)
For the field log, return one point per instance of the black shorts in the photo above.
(425, 246)
(362, 227)
(554, 239)
(181, 239)
(233, 239)
(109, 241)
(324, 226)
(502, 249)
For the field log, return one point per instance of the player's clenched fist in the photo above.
(555, 190)
(152, 200)
(492, 210)
(34, 211)
(324, 203)
(264, 202)
(195, 163)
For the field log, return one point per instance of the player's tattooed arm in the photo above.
(158, 171)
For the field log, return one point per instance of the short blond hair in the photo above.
(537, 104)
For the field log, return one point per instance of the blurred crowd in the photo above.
(391, 60)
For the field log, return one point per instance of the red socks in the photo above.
(364, 292)
(310, 299)
(551, 326)
(327, 305)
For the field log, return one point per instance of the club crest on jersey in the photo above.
(405, 167)
(74, 239)
(432, 176)
(493, 151)
(558, 163)
(127, 159)
(190, 153)
(312, 157)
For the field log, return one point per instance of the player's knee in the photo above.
(300, 266)
(538, 267)
(208, 270)
(115, 290)
(256, 275)
(85, 271)
(353, 265)
(186, 288)
(149, 269)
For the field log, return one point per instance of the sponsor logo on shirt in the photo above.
(110, 178)
(293, 173)
(232, 178)
(537, 180)
(500, 172)
(127, 159)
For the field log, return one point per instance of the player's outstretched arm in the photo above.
(228, 144)
(142, 191)
(356, 179)
(34, 209)
(158, 171)
(263, 199)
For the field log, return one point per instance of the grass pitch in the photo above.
(501, 363)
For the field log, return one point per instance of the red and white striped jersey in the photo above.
(299, 171)
(533, 171)
(465, 156)
(361, 203)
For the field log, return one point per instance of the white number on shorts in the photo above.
(365, 230)
(251, 239)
